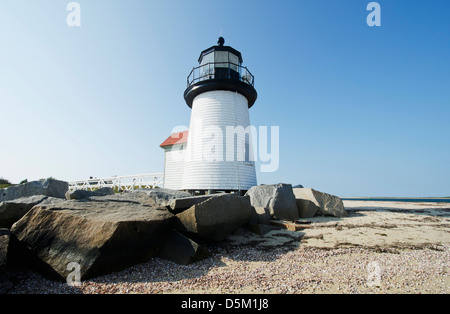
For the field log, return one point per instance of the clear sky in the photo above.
(362, 111)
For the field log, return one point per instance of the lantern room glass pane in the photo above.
(209, 58)
(221, 59)
(234, 61)
(207, 66)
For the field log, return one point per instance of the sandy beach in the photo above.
(381, 247)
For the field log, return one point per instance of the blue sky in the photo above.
(362, 111)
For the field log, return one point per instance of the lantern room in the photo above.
(220, 68)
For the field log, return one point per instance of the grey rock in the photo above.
(163, 196)
(298, 186)
(51, 201)
(136, 197)
(329, 205)
(12, 211)
(260, 215)
(178, 205)
(182, 250)
(100, 236)
(278, 198)
(82, 194)
(217, 216)
(49, 187)
(306, 208)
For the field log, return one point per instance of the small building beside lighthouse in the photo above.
(174, 155)
(217, 156)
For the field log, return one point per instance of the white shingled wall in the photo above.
(206, 166)
(174, 157)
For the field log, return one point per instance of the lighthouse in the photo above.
(220, 91)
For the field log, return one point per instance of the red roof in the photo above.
(176, 138)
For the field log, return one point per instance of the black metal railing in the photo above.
(220, 70)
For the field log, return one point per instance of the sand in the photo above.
(383, 225)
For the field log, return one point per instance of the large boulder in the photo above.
(82, 194)
(278, 198)
(327, 204)
(182, 250)
(101, 236)
(217, 216)
(12, 211)
(48, 187)
(306, 208)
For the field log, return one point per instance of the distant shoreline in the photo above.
(400, 199)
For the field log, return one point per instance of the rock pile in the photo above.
(103, 232)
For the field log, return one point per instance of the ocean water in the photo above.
(398, 199)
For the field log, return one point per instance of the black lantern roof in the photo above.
(220, 47)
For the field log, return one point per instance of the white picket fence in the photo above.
(120, 183)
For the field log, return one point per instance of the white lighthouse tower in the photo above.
(220, 92)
